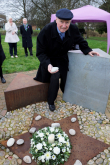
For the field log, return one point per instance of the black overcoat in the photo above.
(2, 55)
(26, 36)
(52, 50)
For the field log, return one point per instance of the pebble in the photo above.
(99, 161)
(77, 162)
(10, 142)
(19, 161)
(38, 117)
(72, 132)
(27, 159)
(32, 130)
(20, 142)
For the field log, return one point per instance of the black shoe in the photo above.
(26, 55)
(3, 80)
(52, 107)
(35, 78)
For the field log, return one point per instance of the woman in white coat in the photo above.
(11, 37)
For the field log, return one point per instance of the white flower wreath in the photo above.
(46, 153)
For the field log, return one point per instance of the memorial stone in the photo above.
(88, 80)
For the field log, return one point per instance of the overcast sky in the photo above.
(7, 11)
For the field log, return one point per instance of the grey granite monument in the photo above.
(88, 80)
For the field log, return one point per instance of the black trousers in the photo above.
(54, 86)
(11, 47)
(1, 73)
(26, 52)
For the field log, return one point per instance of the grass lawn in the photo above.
(23, 63)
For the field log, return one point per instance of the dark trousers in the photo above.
(26, 52)
(1, 74)
(11, 47)
(54, 86)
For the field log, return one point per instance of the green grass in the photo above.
(23, 63)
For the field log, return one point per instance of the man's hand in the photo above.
(92, 53)
(50, 68)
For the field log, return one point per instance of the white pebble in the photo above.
(55, 125)
(38, 117)
(72, 132)
(27, 159)
(32, 130)
(54, 69)
(10, 142)
(78, 162)
(20, 141)
(73, 119)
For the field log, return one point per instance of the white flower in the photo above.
(33, 157)
(58, 135)
(67, 143)
(51, 129)
(40, 157)
(43, 158)
(61, 139)
(41, 135)
(63, 150)
(53, 157)
(48, 155)
(56, 150)
(68, 150)
(42, 139)
(50, 149)
(39, 146)
(56, 130)
(44, 143)
(36, 150)
(60, 144)
(63, 160)
(47, 133)
(53, 144)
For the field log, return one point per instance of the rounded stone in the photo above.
(73, 119)
(27, 159)
(99, 161)
(20, 142)
(19, 161)
(72, 132)
(55, 125)
(38, 117)
(10, 142)
(6, 162)
(15, 156)
(2, 153)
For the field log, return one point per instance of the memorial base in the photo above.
(24, 91)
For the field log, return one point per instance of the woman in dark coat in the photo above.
(2, 58)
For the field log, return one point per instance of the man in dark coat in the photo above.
(26, 32)
(53, 43)
(2, 58)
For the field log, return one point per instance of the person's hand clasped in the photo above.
(13, 32)
(50, 68)
(92, 53)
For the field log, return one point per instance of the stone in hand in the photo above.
(55, 125)
(32, 130)
(73, 119)
(10, 142)
(38, 117)
(72, 132)
(27, 159)
(20, 141)
(78, 162)
(54, 69)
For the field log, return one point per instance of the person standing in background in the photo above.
(2, 58)
(11, 37)
(26, 32)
